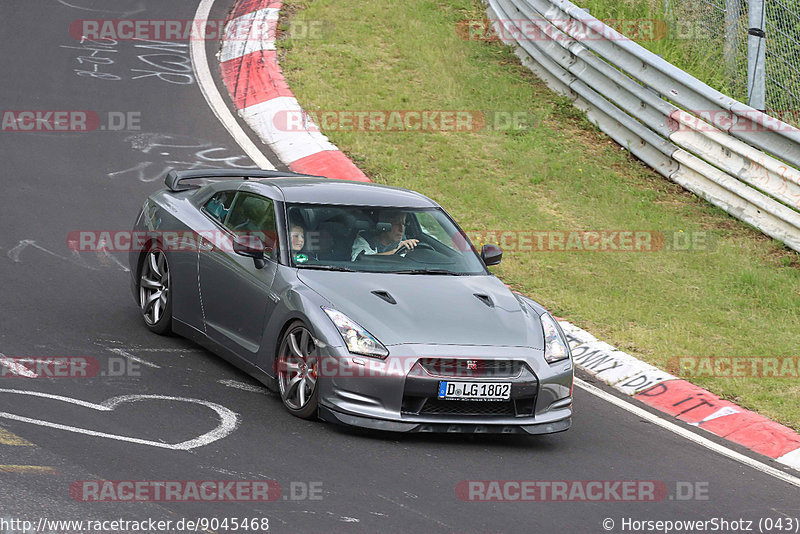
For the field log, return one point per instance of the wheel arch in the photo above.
(148, 245)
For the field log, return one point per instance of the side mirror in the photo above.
(491, 254)
(251, 247)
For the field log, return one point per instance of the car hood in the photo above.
(430, 309)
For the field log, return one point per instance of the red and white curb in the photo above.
(250, 70)
(254, 80)
(681, 399)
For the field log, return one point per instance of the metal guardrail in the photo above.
(730, 154)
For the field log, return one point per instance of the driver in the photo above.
(386, 242)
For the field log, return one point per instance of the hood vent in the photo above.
(384, 295)
(485, 299)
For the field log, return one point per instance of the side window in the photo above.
(219, 205)
(255, 215)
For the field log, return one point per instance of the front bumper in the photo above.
(398, 394)
(332, 416)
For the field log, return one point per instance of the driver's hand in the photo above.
(408, 243)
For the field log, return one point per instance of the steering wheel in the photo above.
(402, 251)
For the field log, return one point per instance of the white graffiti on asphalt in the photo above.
(184, 152)
(93, 58)
(165, 60)
(104, 258)
(171, 64)
(122, 14)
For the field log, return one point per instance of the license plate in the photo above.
(474, 390)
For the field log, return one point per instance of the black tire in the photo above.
(154, 288)
(297, 371)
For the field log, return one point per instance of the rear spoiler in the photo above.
(174, 178)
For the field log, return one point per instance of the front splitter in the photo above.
(332, 416)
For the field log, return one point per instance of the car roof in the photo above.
(330, 191)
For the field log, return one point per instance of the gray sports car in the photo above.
(359, 303)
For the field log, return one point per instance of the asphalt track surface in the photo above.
(59, 303)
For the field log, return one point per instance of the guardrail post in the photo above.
(756, 52)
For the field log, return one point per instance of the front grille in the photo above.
(472, 368)
(420, 395)
(454, 407)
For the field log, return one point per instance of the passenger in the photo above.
(386, 242)
(297, 242)
(298, 236)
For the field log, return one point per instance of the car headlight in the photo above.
(555, 346)
(357, 339)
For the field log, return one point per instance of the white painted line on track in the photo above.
(228, 419)
(127, 355)
(202, 71)
(688, 434)
(241, 385)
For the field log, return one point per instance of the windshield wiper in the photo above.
(326, 268)
(428, 271)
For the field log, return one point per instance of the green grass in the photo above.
(739, 298)
(682, 39)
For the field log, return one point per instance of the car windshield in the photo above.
(376, 239)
